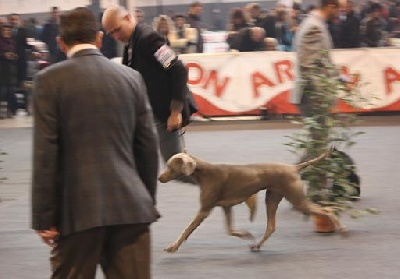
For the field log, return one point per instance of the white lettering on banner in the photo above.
(240, 82)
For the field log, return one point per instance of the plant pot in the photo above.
(322, 224)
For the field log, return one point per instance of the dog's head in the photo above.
(178, 165)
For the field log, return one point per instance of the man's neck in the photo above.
(76, 48)
(322, 13)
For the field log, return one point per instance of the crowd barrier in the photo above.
(233, 83)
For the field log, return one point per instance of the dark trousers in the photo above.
(123, 251)
(311, 107)
(7, 95)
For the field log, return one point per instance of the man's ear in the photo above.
(188, 166)
(99, 39)
(62, 45)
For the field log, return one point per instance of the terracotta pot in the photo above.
(323, 224)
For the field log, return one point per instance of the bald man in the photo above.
(249, 39)
(164, 74)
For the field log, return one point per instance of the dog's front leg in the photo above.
(186, 233)
(272, 201)
(229, 227)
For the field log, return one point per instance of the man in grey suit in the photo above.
(312, 44)
(95, 159)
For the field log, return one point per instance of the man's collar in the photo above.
(318, 14)
(79, 47)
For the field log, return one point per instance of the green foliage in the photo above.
(327, 181)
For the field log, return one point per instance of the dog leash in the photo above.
(182, 131)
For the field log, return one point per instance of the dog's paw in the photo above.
(344, 232)
(171, 248)
(243, 234)
(246, 235)
(255, 248)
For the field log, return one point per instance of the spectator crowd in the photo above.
(25, 43)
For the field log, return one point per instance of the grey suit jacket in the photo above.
(312, 42)
(95, 160)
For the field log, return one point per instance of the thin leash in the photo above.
(182, 131)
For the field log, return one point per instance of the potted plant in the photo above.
(332, 182)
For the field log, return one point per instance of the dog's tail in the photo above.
(313, 161)
(251, 202)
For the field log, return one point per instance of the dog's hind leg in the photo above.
(229, 227)
(272, 200)
(201, 215)
(251, 203)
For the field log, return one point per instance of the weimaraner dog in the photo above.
(228, 185)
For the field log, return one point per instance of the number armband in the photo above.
(165, 56)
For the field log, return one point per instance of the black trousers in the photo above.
(123, 251)
(7, 94)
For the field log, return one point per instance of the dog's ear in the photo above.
(188, 166)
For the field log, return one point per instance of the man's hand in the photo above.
(174, 121)
(49, 236)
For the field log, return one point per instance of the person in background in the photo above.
(164, 74)
(183, 39)
(8, 72)
(49, 36)
(372, 27)
(216, 19)
(34, 30)
(163, 25)
(394, 19)
(271, 44)
(194, 21)
(349, 28)
(20, 36)
(237, 20)
(98, 209)
(292, 22)
(3, 20)
(249, 39)
(139, 16)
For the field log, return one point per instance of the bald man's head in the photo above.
(118, 23)
(257, 34)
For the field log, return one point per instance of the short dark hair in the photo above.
(196, 4)
(296, 6)
(12, 14)
(78, 26)
(325, 3)
(375, 7)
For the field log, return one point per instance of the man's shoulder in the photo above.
(145, 31)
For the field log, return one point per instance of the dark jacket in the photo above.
(8, 67)
(95, 159)
(349, 31)
(372, 32)
(166, 83)
(243, 42)
(49, 35)
(109, 46)
(22, 47)
(195, 22)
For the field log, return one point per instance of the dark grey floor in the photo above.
(294, 251)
